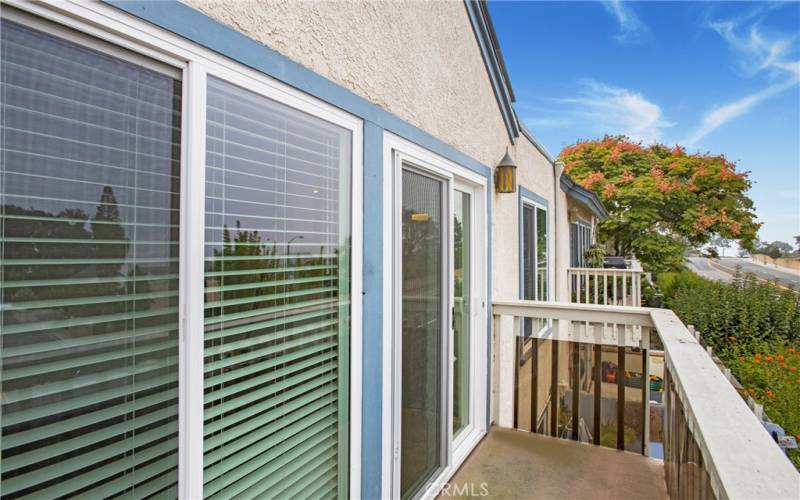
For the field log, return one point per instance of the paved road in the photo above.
(702, 266)
(727, 266)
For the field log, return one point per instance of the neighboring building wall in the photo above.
(418, 60)
(535, 173)
(785, 263)
(562, 245)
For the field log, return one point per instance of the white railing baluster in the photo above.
(615, 288)
(624, 288)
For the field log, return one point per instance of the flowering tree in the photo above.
(661, 200)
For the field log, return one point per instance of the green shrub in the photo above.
(759, 316)
(754, 328)
(595, 256)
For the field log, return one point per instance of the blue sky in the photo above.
(716, 77)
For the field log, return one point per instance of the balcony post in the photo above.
(507, 329)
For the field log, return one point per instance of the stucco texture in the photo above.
(422, 62)
(418, 60)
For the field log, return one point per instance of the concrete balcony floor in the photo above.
(516, 464)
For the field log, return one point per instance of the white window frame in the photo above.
(397, 152)
(111, 25)
(582, 225)
(526, 201)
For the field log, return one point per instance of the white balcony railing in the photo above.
(619, 287)
(587, 377)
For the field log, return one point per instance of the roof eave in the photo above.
(583, 196)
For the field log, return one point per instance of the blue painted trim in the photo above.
(530, 195)
(372, 368)
(583, 196)
(495, 66)
(193, 25)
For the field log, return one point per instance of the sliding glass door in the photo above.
(462, 310)
(277, 299)
(90, 178)
(424, 299)
(434, 411)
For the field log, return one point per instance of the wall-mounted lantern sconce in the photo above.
(505, 175)
(573, 214)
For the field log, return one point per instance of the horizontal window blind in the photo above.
(276, 299)
(89, 271)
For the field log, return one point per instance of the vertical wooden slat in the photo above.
(518, 342)
(624, 288)
(554, 391)
(586, 287)
(576, 387)
(614, 277)
(569, 283)
(605, 287)
(645, 398)
(596, 282)
(598, 394)
(534, 384)
(621, 398)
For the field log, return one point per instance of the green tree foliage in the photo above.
(776, 249)
(662, 200)
(758, 315)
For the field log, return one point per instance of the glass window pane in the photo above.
(89, 295)
(610, 377)
(461, 310)
(422, 331)
(541, 255)
(277, 296)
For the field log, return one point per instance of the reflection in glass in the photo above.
(422, 330)
(609, 376)
(89, 295)
(541, 254)
(544, 386)
(634, 393)
(526, 381)
(276, 299)
(586, 392)
(461, 310)
(564, 388)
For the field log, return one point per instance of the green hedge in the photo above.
(756, 315)
(754, 328)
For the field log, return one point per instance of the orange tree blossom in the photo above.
(661, 199)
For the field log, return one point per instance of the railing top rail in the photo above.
(574, 312)
(741, 457)
(604, 270)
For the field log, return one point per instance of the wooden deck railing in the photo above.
(619, 287)
(586, 377)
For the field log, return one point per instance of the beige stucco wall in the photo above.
(534, 173)
(420, 61)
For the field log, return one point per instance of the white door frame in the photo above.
(396, 152)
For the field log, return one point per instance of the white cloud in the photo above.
(630, 26)
(721, 115)
(613, 110)
(757, 54)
